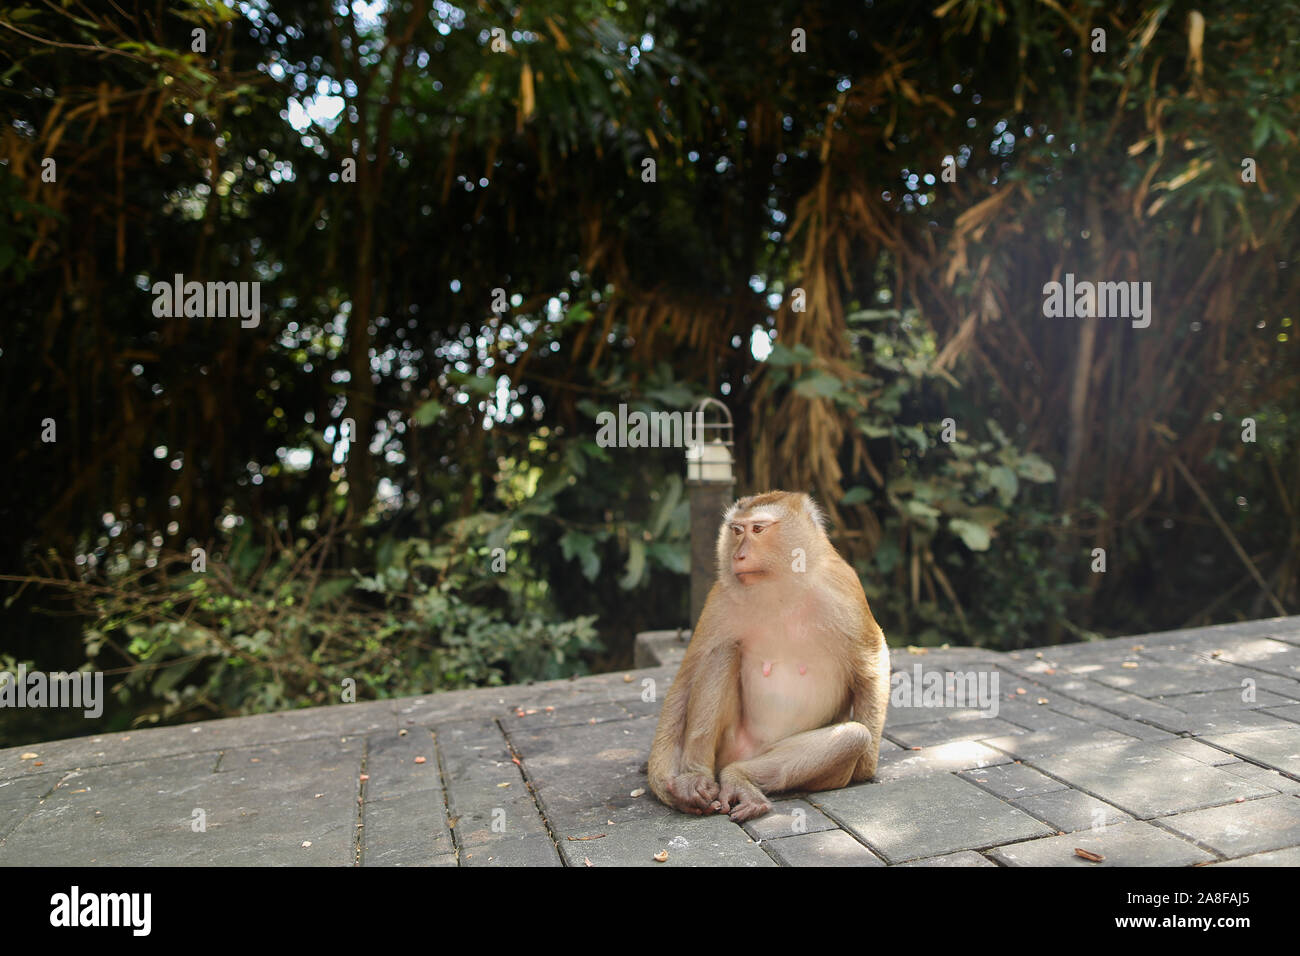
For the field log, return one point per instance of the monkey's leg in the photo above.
(870, 702)
(822, 759)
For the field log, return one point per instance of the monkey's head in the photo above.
(768, 537)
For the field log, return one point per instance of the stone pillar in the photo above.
(708, 502)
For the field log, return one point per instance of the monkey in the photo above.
(785, 682)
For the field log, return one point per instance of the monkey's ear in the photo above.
(814, 513)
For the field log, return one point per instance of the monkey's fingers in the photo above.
(706, 790)
(748, 810)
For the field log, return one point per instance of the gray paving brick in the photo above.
(20, 797)
(1012, 781)
(406, 830)
(1288, 857)
(1159, 680)
(1264, 777)
(911, 819)
(788, 818)
(1070, 810)
(960, 755)
(1275, 748)
(825, 848)
(530, 851)
(1042, 742)
(964, 858)
(1198, 750)
(1124, 844)
(1274, 657)
(1229, 722)
(1146, 779)
(947, 731)
(510, 817)
(1224, 700)
(1239, 829)
(689, 841)
(392, 768)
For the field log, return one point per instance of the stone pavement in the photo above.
(1179, 748)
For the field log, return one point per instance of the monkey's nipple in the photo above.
(767, 668)
(803, 668)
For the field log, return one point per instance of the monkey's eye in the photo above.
(738, 529)
(758, 528)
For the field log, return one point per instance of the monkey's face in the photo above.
(753, 539)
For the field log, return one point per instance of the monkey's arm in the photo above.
(665, 754)
(696, 710)
(713, 706)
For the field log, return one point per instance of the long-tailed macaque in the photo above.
(786, 680)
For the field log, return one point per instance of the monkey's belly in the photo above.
(782, 697)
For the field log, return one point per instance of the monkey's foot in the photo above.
(739, 798)
(693, 792)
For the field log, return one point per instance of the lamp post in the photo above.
(710, 482)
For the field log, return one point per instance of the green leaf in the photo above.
(1032, 467)
(974, 536)
(635, 565)
(673, 555)
(816, 384)
(855, 496)
(1003, 480)
(667, 505)
(918, 509)
(330, 591)
(427, 413)
(584, 547)
(1259, 135)
(783, 356)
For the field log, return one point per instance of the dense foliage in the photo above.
(462, 259)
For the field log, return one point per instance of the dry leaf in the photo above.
(365, 777)
(598, 836)
(639, 792)
(1042, 700)
(306, 843)
(28, 757)
(587, 861)
(1129, 665)
(1088, 855)
(661, 856)
(420, 760)
(402, 732)
(627, 678)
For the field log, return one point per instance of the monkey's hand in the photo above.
(739, 798)
(692, 792)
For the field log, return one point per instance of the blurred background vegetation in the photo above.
(797, 254)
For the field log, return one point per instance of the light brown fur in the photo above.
(786, 680)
